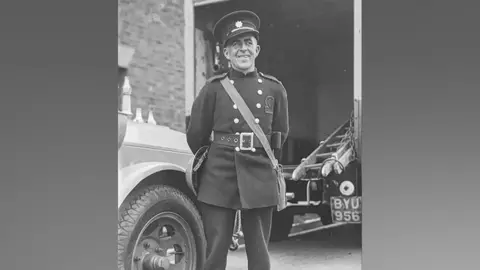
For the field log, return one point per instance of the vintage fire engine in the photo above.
(159, 225)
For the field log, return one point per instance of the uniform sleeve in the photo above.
(201, 119)
(280, 117)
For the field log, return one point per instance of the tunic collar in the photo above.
(234, 74)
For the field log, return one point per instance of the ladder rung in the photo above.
(334, 145)
(324, 155)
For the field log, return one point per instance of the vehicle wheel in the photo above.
(325, 213)
(159, 226)
(282, 223)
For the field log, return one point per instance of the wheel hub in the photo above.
(155, 262)
(163, 245)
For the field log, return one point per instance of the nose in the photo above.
(243, 47)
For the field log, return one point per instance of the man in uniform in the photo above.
(233, 178)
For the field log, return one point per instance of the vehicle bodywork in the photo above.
(150, 152)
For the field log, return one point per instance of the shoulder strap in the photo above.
(216, 77)
(270, 77)
(248, 116)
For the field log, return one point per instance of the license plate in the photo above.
(346, 209)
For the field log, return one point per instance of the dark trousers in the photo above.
(219, 225)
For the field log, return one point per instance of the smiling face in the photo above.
(242, 51)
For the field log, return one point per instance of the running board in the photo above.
(319, 228)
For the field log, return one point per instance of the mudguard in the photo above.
(129, 177)
(122, 128)
(193, 167)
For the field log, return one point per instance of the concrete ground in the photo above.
(333, 249)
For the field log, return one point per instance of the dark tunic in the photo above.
(230, 178)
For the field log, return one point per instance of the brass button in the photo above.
(260, 80)
(232, 82)
(257, 120)
(235, 106)
(237, 148)
(259, 105)
(260, 92)
(236, 120)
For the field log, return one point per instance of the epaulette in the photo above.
(217, 77)
(270, 77)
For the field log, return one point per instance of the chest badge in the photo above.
(269, 104)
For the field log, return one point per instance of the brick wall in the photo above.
(156, 71)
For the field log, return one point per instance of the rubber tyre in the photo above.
(143, 205)
(282, 223)
(325, 213)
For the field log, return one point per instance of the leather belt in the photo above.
(244, 140)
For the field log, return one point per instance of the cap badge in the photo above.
(238, 24)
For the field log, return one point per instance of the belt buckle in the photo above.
(242, 136)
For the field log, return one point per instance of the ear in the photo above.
(258, 49)
(226, 53)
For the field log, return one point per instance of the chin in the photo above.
(244, 67)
